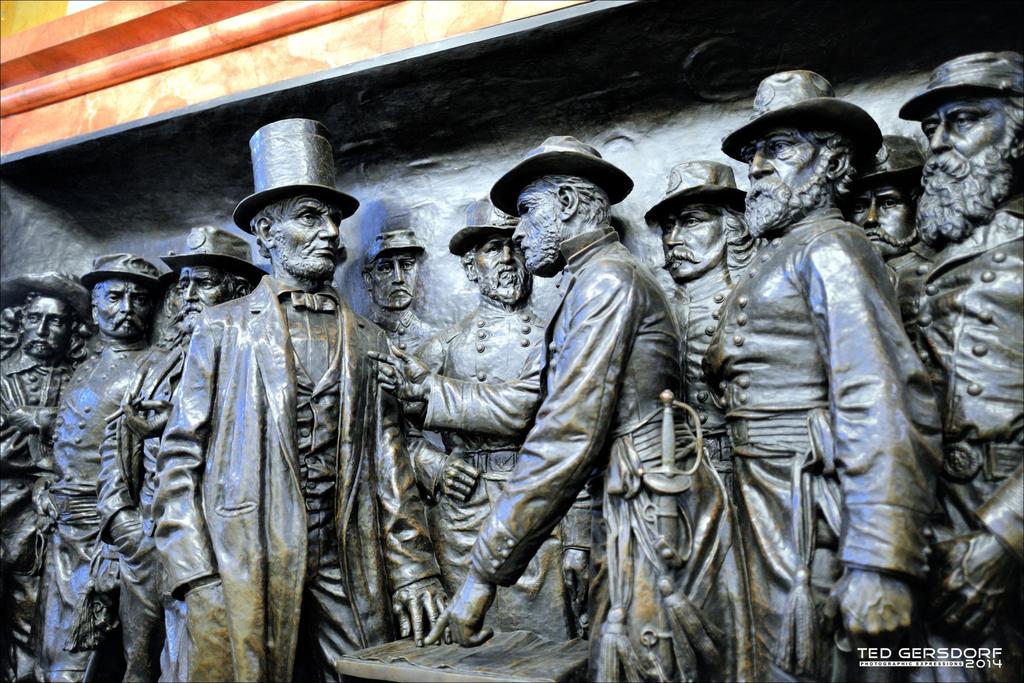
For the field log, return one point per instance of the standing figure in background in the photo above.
(707, 248)
(497, 342)
(391, 271)
(883, 201)
(124, 289)
(286, 511)
(833, 424)
(216, 267)
(50, 313)
(972, 326)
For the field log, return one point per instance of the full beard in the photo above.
(42, 349)
(960, 193)
(543, 257)
(771, 205)
(312, 268)
(508, 286)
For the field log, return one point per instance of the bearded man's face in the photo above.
(694, 240)
(886, 212)
(969, 169)
(540, 231)
(788, 180)
(47, 324)
(499, 269)
(200, 287)
(305, 243)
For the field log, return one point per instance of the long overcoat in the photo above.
(229, 501)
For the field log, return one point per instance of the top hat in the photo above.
(805, 100)
(210, 246)
(483, 221)
(561, 155)
(390, 241)
(291, 157)
(693, 182)
(980, 74)
(122, 267)
(67, 288)
(899, 161)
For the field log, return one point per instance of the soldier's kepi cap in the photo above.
(67, 288)
(391, 241)
(210, 246)
(560, 155)
(804, 100)
(122, 267)
(899, 162)
(291, 157)
(698, 182)
(483, 222)
(980, 74)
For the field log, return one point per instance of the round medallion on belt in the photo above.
(961, 462)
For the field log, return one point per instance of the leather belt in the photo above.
(491, 461)
(963, 460)
(772, 436)
(719, 451)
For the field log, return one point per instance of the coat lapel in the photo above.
(276, 362)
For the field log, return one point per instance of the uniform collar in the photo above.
(21, 363)
(490, 308)
(581, 249)
(707, 285)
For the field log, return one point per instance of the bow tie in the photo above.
(312, 302)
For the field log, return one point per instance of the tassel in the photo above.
(692, 635)
(615, 650)
(40, 553)
(795, 650)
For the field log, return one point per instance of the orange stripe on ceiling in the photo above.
(62, 45)
(231, 34)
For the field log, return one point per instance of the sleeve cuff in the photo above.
(886, 538)
(1003, 514)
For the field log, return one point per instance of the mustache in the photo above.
(679, 254)
(125, 319)
(883, 236)
(950, 164)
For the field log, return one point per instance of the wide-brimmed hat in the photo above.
(67, 288)
(693, 182)
(804, 100)
(483, 221)
(979, 74)
(122, 267)
(390, 241)
(560, 155)
(291, 157)
(899, 161)
(210, 246)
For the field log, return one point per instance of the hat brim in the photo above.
(249, 271)
(903, 177)
(698, 194)
(13, 292)
(610, 178)
(918, 107)
(91, 278)
(826, 113)
(472, 235)
(254, 203)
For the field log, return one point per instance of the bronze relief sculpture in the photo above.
(833, 425)
(78, 576)
(51, 316)
(707, 247)
(285, 502)
(391, 271)
(972, 327)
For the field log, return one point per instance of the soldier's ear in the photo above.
(839, 165)
(469, 267)
(261, 229)
(568, 202)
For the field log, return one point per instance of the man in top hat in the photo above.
(883, 201)
(124, 288)
(494, 343)
(707, 248)
(811, 357)
(216, 267)
(608, 353)
(50, 312)
(972, 326)
(390, 271)
(285, 501)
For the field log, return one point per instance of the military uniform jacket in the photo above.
(24, 458)
(910, 270)
(229, 498)
(815, 325)
(610, 349)
(972, 322)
